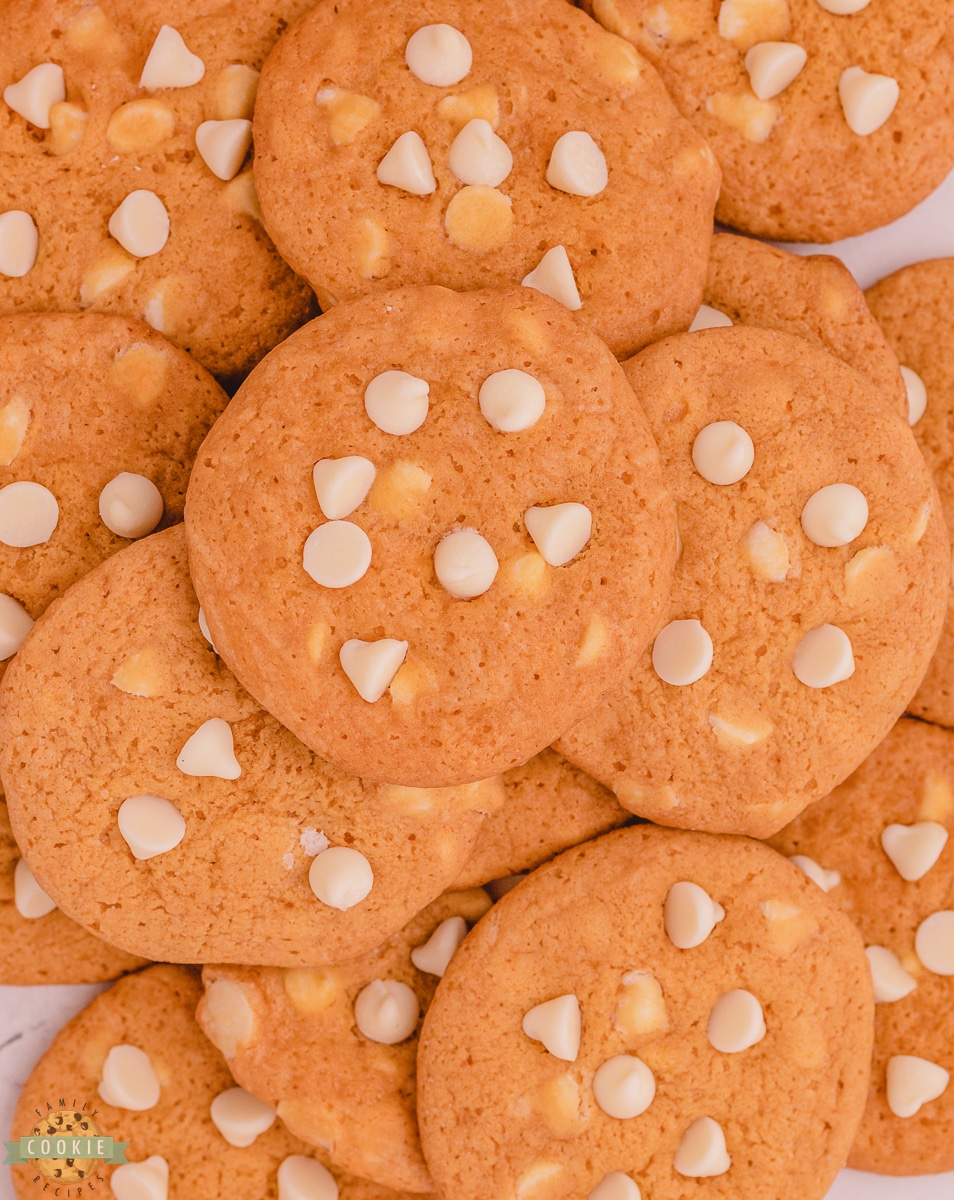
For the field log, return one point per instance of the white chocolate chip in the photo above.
(235, 89)
(210, 752)
(170, 63)
(130, 505)
(223, 145)
(772, 66)
(934, 942)
(349, 114)
(559, 531)
(36, 93)
(107, 270)
(682, 653)
(397, 402)
(640, 1007)
(19, 242)
(867, 99)
(723, 452)
(511, 400)
(14, 423)
(337, 554)
(28, 514)
(736, 1022)
(435, 954)
(740, 729)
(204, 628)
(341, 877)
(439, 55)
(146, 1180)
(150, 825)
(823, 657)
(912, 1082)
(553, 276)
(15, 624)
(835, 515)
(690, 915)
(556, 1023)
(615, 1186)
(709, 318)
(702, 1151)
(30, 899)
(465, 564)
(141, 224)
(342, 484)
(478, 156)
(914, 849)
(826, 880)
(624, 1086)
(240, 1117)
(372, 665)
(577, 165)
(890, 980)
(916, 393)
(479, 218)
(129, 1079)
(407, 166)
(228, 1017)
(843, 8)
(387, 1011)
(304, 1178)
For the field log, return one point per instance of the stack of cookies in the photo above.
(502, 697)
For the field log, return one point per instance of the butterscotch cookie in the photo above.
(468, 143)
(124, 129)
(913, 308)
(881, 845)
(334, 1049)
(460, 533)
(808, 597)
(649, 1009)
(163, 809)
(828, 117)
(135, 1065)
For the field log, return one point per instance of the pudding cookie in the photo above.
(469, 144)
(808, 596)
(164, 810)
(719, 1033)
(828, 117)
(439, 492)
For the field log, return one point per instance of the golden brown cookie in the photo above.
(913, 308)
(657, 1005)
(163, 809)
(826, 123)
(123, 130)
(334, 1049)
(808, 597)
(140, 1043)
(459, 529)
(882, 846)
(467, 143)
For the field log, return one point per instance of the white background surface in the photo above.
(29, 1017)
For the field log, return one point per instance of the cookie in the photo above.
(164, 810)
(650, 1008)
(882, 846)
(549, 806)
(191, 1133)
(334, 1049)
(808, 597)
(485, 474)
(827, 118)
(124, 128)
(912, 306)
(467, 143)
(813, 296)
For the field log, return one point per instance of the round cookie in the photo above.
(592, 1024)
(334, 1049)
(153, 1012)
(549, 806)
(434, 430)
(842, 128)
(122, 184)
(164, 810)
(913, 308)
(882, 844)
(532, 146)
(801, 619)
